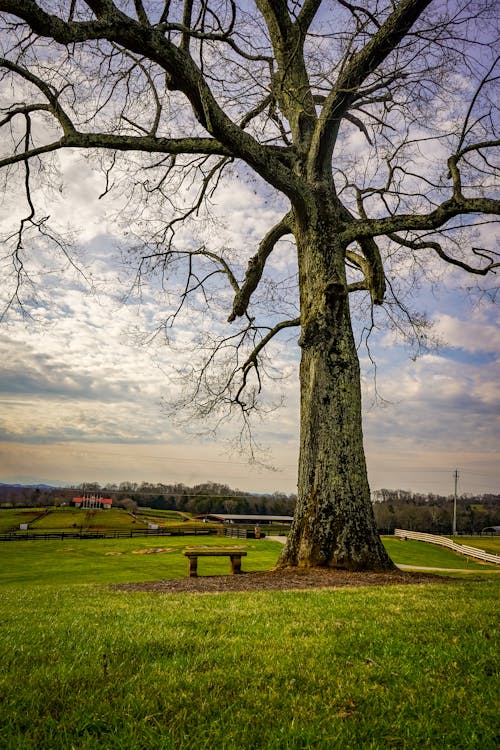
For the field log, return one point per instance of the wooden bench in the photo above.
(193, 553)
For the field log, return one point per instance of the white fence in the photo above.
(462, 549)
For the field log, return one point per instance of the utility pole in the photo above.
(454, 526)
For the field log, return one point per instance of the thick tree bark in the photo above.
(334, 524)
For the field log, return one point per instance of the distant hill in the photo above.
(32, 481)
(31, 486)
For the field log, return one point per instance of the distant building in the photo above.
(241, 518)
(93, 501)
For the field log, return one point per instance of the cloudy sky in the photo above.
(82, 398)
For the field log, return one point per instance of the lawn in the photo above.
(10, 519)
(487, 543)
(120, 560)
(88, 667)
(68, 519)
(153, 515)
(423, 554)
(123, 560)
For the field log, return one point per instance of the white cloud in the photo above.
(74, 382)
(480, 333)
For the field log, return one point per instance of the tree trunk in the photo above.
(334, 524)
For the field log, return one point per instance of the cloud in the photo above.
(76, 382)
(479, 333)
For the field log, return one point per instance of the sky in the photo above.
(83, 398)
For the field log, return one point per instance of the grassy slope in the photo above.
(90, 668)
(423, 554)
(486, 543)
(10, 519)
(69, 519)
(65, 519)
(162, 516)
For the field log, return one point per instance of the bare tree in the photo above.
(371, 123)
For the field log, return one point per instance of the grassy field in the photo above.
(486, 543)
(106, 561)
(69, 519)
(410, 552)
(66, 519)
(88, 667)
(10, 519)
(162, 516)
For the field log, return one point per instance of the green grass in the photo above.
(10, 519)
(110, 560)
(91, 668)
(64, 519)
(67, 519)
(105, 561)
(162, 516)
(88, 667)
(486, 543)
(422, 554)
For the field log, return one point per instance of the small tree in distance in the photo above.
(371, 123)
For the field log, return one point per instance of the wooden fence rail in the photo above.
(443, 541)
(235, 532)
(16, 536)
(19, 536)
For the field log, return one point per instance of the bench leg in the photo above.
(192, 567)
(235, 564)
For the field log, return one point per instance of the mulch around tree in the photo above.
(282, 580)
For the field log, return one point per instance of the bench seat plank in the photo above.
(193, 554)
(214, 553)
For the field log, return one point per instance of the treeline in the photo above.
(208, 497)
(430, 513)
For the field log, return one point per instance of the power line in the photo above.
(164, 492)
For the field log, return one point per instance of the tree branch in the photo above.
(251, 362)
(374, 269)
(256, 266)
(184, 75)
(486, 79)
(49, 25)
(456, 206)
(48, 91)
(437, 247)
(291, 84)
(358, 69)
(307, 14)
(146, 144)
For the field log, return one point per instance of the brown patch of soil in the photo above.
(151, 551)
(281, 580)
